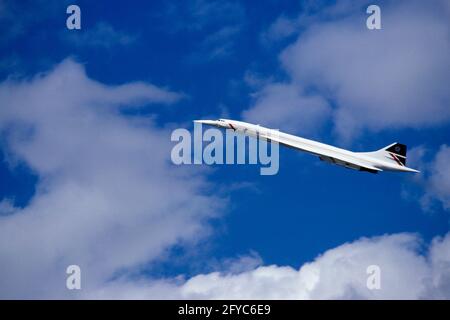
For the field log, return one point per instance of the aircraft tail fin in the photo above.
(395, 152)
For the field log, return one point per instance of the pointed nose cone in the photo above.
(207, 122)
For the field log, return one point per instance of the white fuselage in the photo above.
(355, 160)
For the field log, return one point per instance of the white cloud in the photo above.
(391, 78)
(311, 12)
(340, 273)
(434, 178)
(109, 201)
(286, 107)
(6, 207)
(282, 28)
(439, 181)
(108, 197)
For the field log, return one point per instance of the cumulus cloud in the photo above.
(108, 198)
(286, 106)
(391, 78)
(339, 273)
(439, 181)
(434, 178)
(6, 207)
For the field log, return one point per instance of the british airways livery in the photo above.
(390, 158)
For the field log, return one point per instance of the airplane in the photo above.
(389, 158)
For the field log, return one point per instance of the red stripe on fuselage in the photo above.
(396, 159)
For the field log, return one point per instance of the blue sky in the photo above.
(222, 59)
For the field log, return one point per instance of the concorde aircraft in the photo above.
(390, 158)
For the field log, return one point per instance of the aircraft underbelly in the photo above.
(330, 156)
(342, 163)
